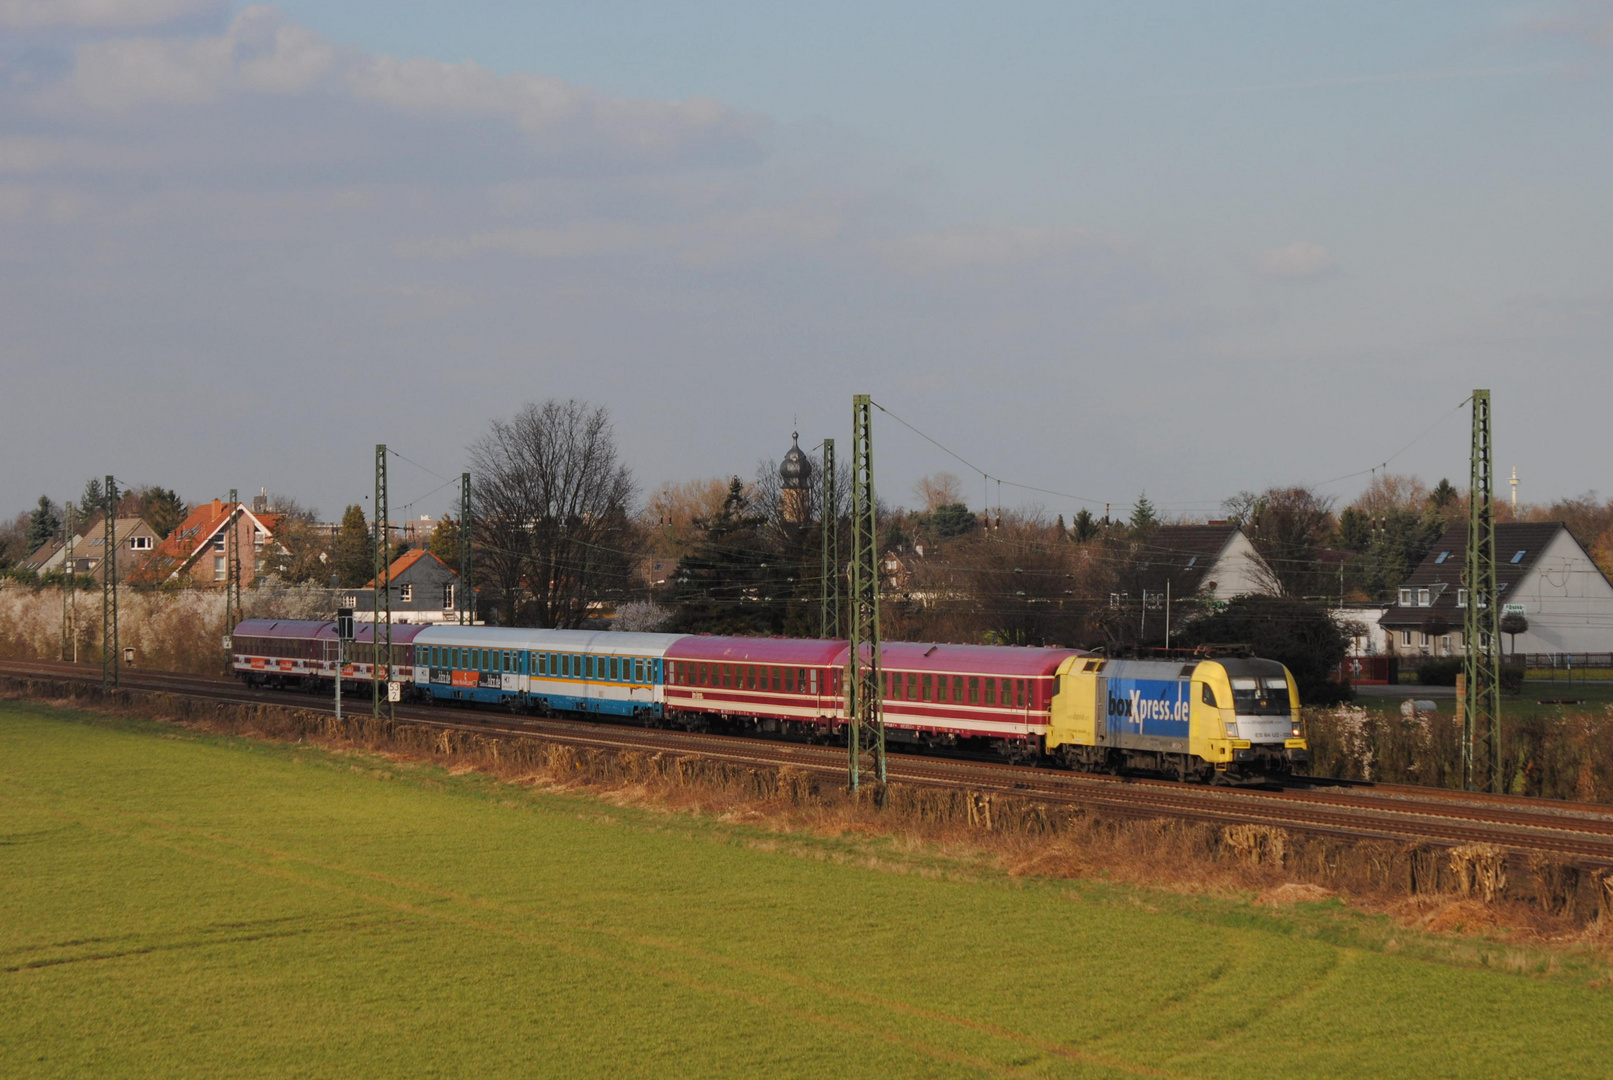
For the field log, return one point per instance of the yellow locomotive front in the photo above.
(1201, 719)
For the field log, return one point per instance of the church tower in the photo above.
(795, 489)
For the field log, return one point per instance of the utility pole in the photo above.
(467, 610)
(232, 580)
(831, 545)
(864, 693)
(111, 657)
(381, 594)
(1481, 631)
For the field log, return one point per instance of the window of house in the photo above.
(350, 600)
(140, 543)
(448, 597)
(1405, 598)
(406, 593)
(1425, 640)
(1422, 598)
(1518, 558)
(218, 542)
(1461, 598)
(218, 568)
(1441, 557)
(1405, 637)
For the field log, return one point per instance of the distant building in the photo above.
(424, 590)
(1211, 562)
(1542, 573)
(197, 551)
(795, 488)
(133, 537)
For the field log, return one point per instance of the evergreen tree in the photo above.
(162, 509)
(43, 524)
(733, 581)
(444, 542)
(93, 501)
(1143, 519)
(1355, 530)
(1084, 526)
(1443, 495)
(353, 553)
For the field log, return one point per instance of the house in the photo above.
(424, 590)
(1212, 562)
(1542, 573)
(197, 551)
(134, 539)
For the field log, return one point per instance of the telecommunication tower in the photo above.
(865, 735)
(1481, 631)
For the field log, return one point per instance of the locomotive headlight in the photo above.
(1296, 731)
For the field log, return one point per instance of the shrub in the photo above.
(1440, 672)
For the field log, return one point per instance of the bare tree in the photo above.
(551, 501)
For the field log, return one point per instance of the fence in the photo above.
(1368, 670)
(1568, 667)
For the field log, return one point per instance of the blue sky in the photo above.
(1184, 248)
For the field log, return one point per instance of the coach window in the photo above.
(929, 682)
(615, 669)
(957, 689)
(974, 690)
(1019, 696)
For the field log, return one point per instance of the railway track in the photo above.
(1400, 813)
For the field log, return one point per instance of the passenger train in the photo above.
(1199, 719)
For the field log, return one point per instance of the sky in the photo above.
(1095, 249)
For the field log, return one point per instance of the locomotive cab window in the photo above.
(1208, 695)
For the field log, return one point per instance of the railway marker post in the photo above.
(344, 634)
(864, 698)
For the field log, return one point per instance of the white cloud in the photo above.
(98, 14)
(1296, 261)
(259, 52)
(954, 249)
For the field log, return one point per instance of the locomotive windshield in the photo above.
(1260, 697)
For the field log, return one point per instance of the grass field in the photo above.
(178, 904)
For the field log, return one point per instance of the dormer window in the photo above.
(1405, 598)
(1423, 598)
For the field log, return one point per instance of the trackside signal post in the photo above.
(1481, 630)
(865, 735)
(830, 513)
(232, 580)
(344, 635)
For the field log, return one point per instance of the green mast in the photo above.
(864, 698)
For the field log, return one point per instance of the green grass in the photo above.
(178, 905)
(1596, 696)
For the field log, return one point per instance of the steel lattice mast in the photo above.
(467, 610)
(381, 593)
(1481, 631)
(830, 512)
(232, 580)
(110, 655)
(866, 731)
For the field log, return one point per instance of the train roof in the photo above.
(606, 642)
(320, 630)
(787, 652)
(997, 660)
